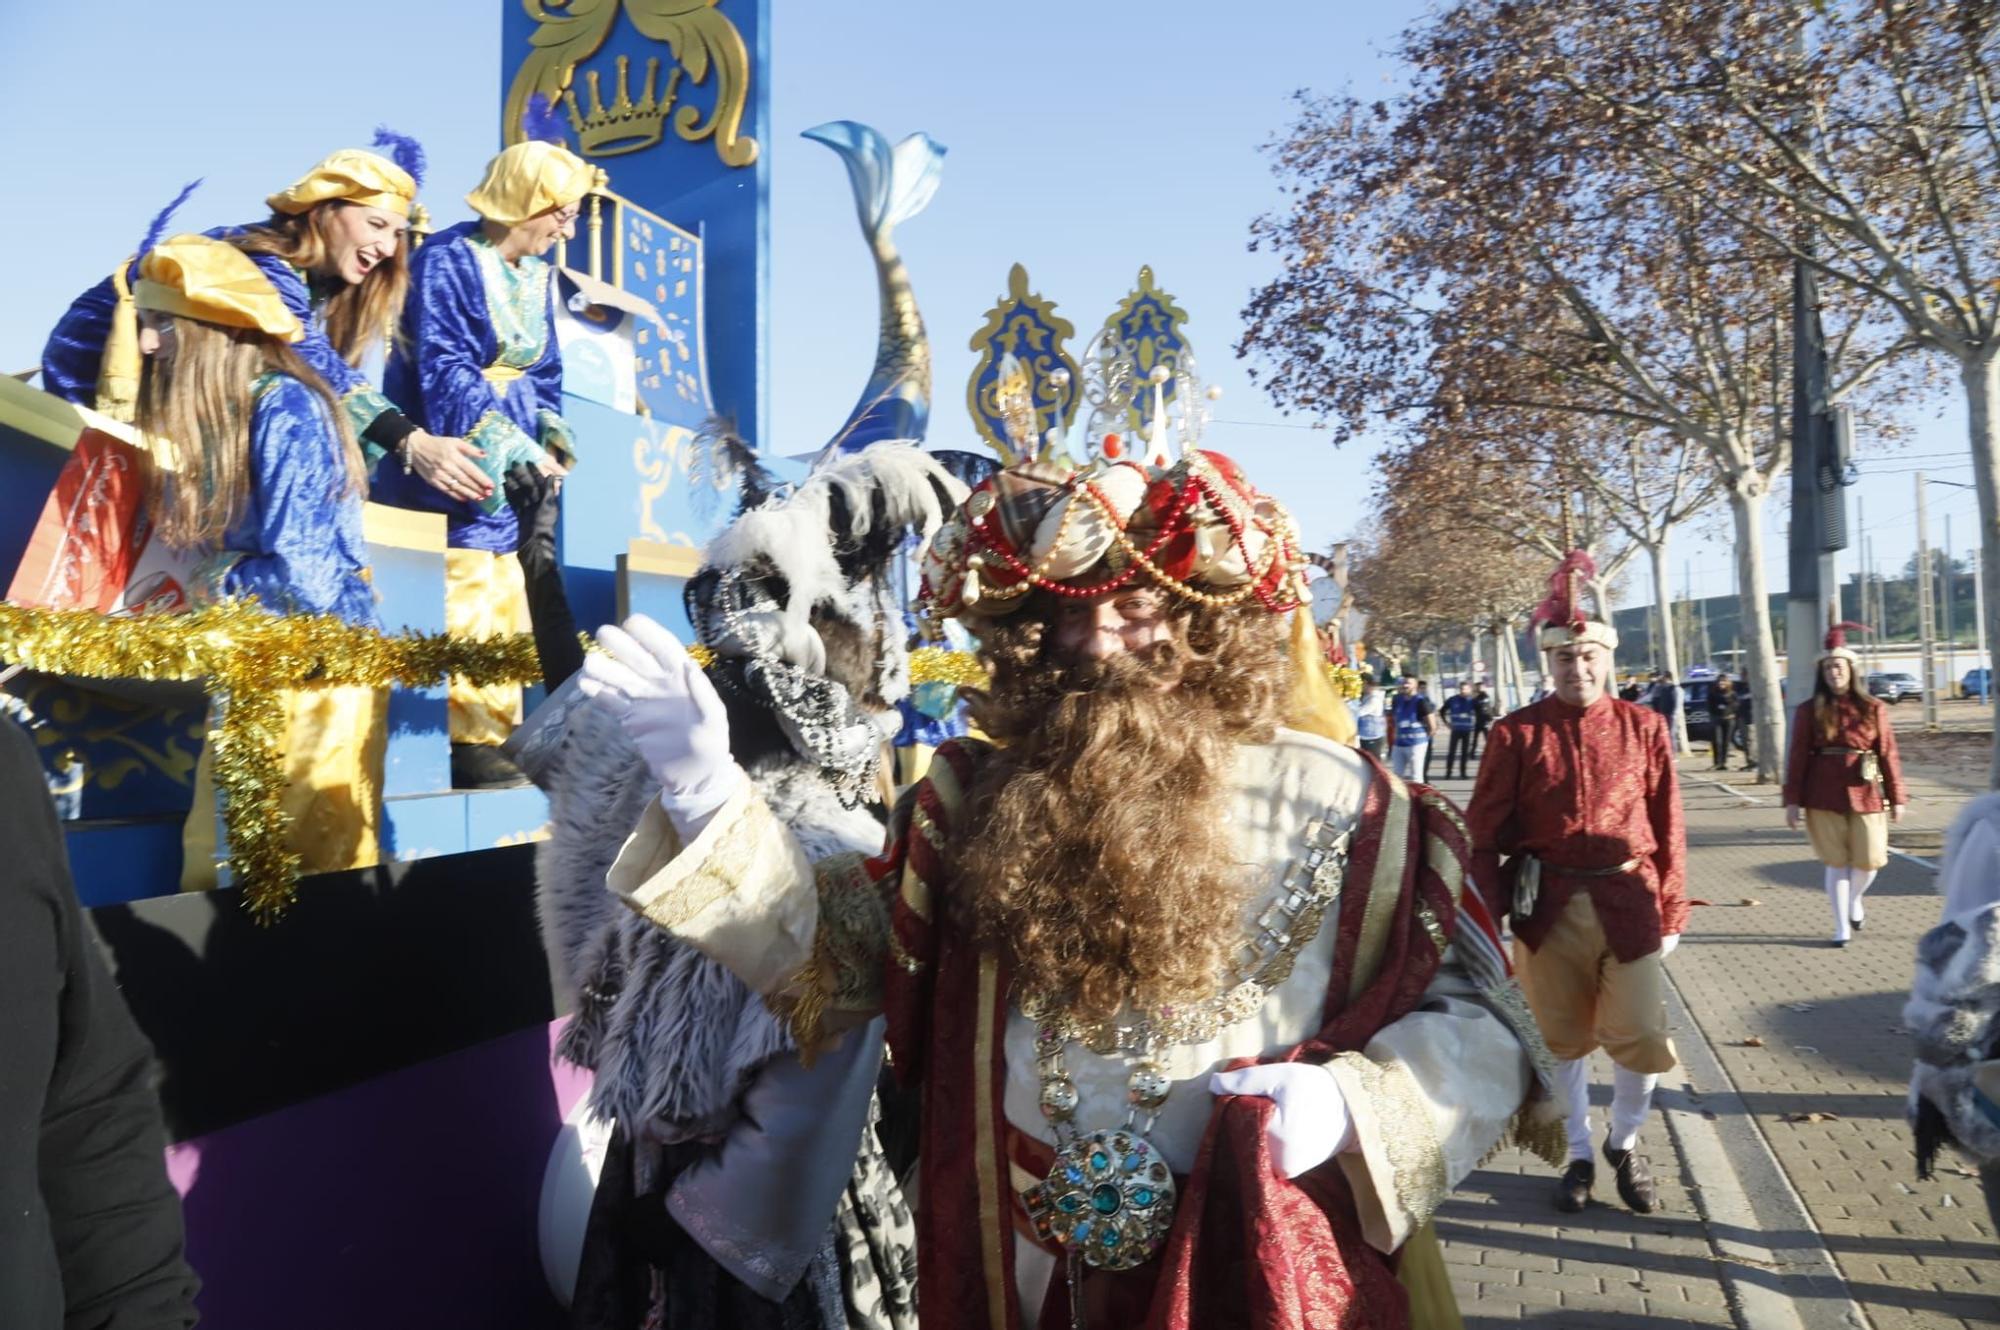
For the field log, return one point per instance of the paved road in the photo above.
(1767, 1223)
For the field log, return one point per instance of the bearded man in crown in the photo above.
(1207, 1012)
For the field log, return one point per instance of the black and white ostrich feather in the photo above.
(674, 1038)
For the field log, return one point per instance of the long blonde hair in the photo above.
(355, 317)
(196, 405)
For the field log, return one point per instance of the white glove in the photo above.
(1312, 1123)
(670, 710)
(1668, 943)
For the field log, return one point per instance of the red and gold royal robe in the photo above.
(1248, 1246)
(1584, 788)
(1816, 777)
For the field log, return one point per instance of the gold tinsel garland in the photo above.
(249, 656)
(943, 665)
(1346, 680)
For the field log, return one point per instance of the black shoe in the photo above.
(483, 767)
(1838, 942)
(1573, 1188)
(1635, 1180)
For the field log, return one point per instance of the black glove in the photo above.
(537, 506)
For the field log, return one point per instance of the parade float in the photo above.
(355, 1067)
(367, 1123)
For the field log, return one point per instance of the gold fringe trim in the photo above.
(1539, 1129)
(249, 656)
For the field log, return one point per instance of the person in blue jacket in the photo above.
(334, 253)
(478, 358)
(256, 471)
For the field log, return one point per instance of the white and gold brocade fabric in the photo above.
(1431, 1094)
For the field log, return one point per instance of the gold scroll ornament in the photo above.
(698, 37)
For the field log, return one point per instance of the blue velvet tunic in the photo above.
(477, 360)
(75, 349)
(298, 546)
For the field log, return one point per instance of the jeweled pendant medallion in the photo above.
(1109, 1198)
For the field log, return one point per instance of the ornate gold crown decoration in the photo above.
(1021, 391)
(1137, 378)
(625, 125)
(699, 37)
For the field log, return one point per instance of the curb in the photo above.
(1776, 1269)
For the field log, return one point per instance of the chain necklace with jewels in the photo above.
(1109, 1198)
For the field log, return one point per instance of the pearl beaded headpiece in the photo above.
(1197, 529)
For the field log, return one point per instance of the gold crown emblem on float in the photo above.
(625, 125)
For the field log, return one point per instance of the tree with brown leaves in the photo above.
(1486, 244)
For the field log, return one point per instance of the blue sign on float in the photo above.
(684, 142)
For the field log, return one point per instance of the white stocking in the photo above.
(1839, 887)
(1631, 1100)
(1573, 1084)
(1863, 879)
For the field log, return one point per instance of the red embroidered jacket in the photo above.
(1584, 788)
(1815, 778)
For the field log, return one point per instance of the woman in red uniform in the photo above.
(1843, 774)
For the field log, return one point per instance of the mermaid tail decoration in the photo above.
(891, 184)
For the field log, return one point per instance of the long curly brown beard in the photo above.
(1098, 861)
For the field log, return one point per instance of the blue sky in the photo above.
(1082, 144)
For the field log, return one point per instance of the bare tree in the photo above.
(1481, 245)
(1861, 139)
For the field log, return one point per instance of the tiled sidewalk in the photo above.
(1829, 1042)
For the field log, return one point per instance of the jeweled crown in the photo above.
(1137, 377)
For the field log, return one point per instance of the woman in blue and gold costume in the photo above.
(333, 253)
(256, 466)
(478, 358)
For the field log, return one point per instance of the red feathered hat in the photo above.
(1561, 618)
(1836, 641)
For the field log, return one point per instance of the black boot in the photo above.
(483, 767)
(1635, 1180)
(1573, 1188)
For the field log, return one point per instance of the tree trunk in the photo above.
(1516, 678)
(1746, 506)
(1982, 416)
(1669, 641)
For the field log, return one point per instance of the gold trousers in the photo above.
(1584, 997)
(1848, 840)
(333, 748)
(484, 596)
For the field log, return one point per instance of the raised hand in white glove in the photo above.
(1668, 943)
(670, 710)
(1311, 1124)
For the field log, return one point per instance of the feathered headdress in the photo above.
(1561, 618)
(1836, 641)
(795, 598)
(540, 121)
(404, 151)
(539, 173)
(158, 227)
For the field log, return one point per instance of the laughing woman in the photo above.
(257, 468)
(1844, 776)
(333, 252)
(478, 357)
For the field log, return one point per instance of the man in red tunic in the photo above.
(1578, 792)
(1208, 1014)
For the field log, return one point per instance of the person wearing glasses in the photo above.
(477, 358)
